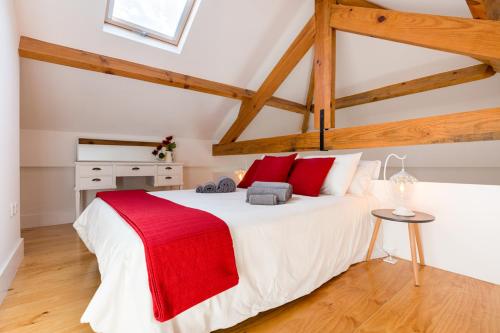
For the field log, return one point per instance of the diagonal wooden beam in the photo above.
(484, 9)
(431, 82)
(323, 64)
(287, 63)
(470, 37)
(62, 55)
(309, 102)
(482, 125)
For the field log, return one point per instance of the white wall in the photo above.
(463, 238)
(10, 242)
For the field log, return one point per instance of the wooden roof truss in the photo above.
(478, 37)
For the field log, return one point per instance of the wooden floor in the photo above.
(59, 276)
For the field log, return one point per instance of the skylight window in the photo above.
(164, 20)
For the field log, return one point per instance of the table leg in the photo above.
(413, 245)
(374, 238)
(419, 245)
(78, 202)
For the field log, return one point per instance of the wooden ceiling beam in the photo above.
(359, 3)
(470, 37)
(431, 82)
(62, 55)
(309, 102)
(302, 43)
(482, 125)
(324, 65)
(484, 9)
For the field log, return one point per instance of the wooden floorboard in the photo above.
(59, 276)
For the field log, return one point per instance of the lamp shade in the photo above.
(401, 185)
(403, 177)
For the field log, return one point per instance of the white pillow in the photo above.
(365, 173)
(340, 175)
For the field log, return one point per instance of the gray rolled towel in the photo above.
(226, 185)
(283, 191)
(263, 199)
(210, 187)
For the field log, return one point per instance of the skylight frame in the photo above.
(145, 32)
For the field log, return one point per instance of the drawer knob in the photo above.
(168, 168)
(96, 179)
(96, 169)
(136, 168)
(168, 177)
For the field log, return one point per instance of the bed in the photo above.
(282, 253)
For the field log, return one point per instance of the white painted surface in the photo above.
(464, 237)
(9, 145)
(8, 271)
(76, 100)
(58, 148)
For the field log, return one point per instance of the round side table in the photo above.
(413, 229)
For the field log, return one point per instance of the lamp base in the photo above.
(403, 211)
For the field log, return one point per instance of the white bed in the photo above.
(282, 253)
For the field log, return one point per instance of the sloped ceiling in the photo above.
(231, 41)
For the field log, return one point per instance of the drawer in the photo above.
(135, 170)
(173, 180)
(94, 170)
(169, 170)
(96, 183)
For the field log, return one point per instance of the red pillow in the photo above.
(307, 175)
(248, 179)
(274, 169)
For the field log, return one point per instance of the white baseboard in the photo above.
(47, 218)
(8, 271)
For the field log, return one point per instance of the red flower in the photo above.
(169, 138)
(155, 152)
(159, 147)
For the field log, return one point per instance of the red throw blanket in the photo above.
(189, 252)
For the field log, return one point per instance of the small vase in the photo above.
(169, 158)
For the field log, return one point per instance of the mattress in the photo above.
(282, 253)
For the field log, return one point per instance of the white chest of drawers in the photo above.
(102, 175)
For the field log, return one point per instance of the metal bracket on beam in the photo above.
(322, 130)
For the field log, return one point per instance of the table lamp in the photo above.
(240, 173)
(401, 186)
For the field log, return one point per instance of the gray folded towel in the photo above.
(283, 191)
(209, 187)
(226, 185)
(263, 199)
(271, 185)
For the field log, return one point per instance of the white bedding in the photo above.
(282, 253)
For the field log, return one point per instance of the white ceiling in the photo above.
(231, 41)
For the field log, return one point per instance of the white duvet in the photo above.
(282, 253)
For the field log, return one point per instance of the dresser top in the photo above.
(124, 163)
